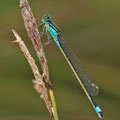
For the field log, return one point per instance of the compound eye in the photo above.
(48, 17)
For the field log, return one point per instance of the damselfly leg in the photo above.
(45, 33)
(49, 39)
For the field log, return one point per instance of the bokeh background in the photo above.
(92, 29)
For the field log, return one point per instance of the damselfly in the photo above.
(85, 80)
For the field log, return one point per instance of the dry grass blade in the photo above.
(38, 82)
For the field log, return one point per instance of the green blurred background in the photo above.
(92, 29)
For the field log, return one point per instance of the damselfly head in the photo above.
(46, 18)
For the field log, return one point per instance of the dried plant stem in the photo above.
(33, 33)
(39, 84)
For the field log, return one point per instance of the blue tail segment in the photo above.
(96, 107)
(99, 112)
